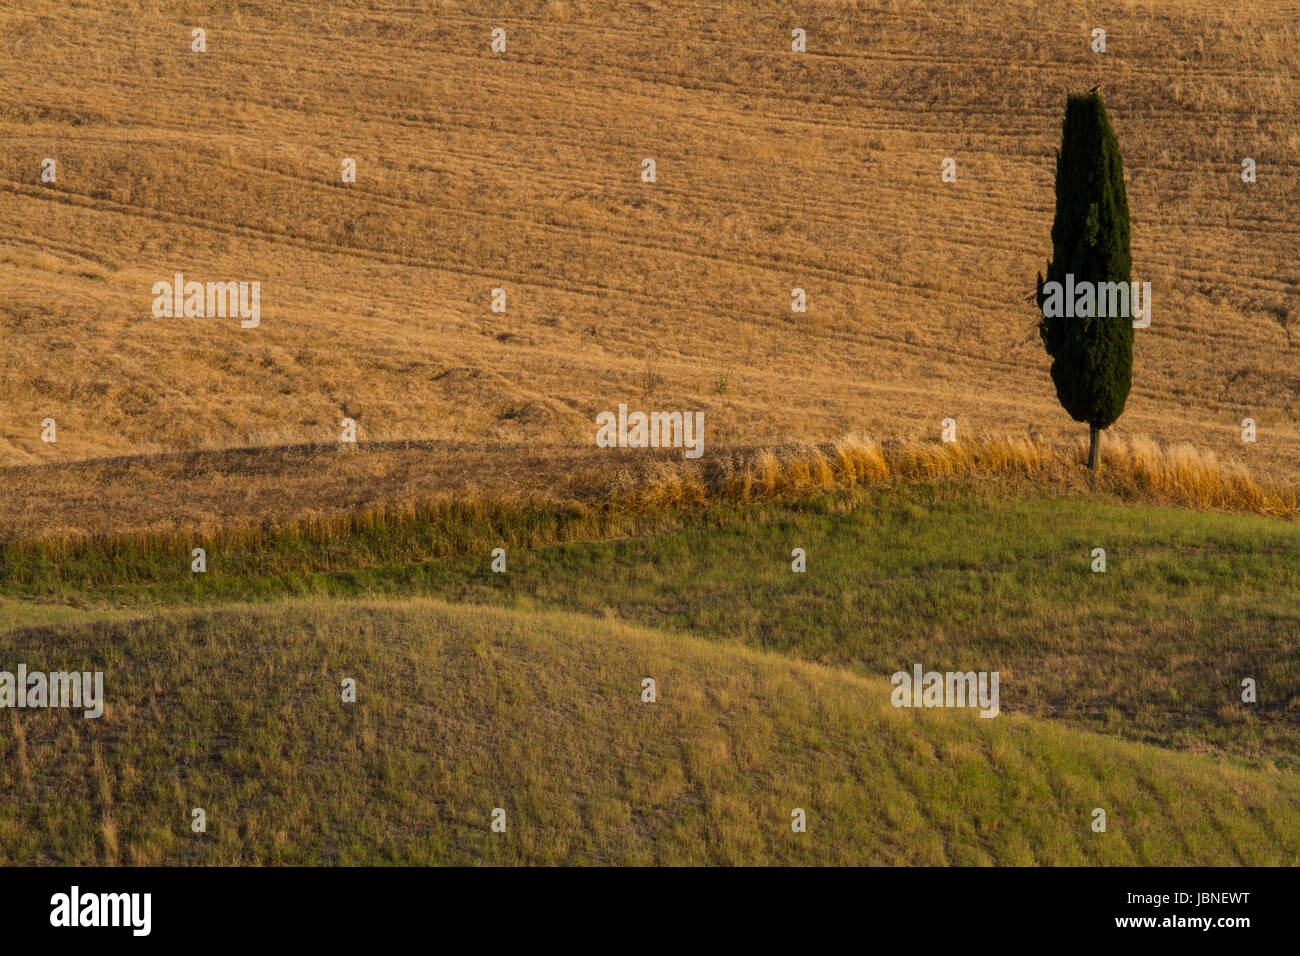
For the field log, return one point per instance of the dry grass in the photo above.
(520, 171)
(626, 496)
(1134, 467)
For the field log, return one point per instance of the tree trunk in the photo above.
(1094, 446)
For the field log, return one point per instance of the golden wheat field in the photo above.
(522, 171)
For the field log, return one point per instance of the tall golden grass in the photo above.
(594, 505)
(1135, 467)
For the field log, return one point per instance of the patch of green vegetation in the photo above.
(1154, 649)
(463, 709)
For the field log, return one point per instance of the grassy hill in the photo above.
(464, 709)
(521, 690)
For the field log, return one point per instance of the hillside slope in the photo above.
(461, 710)
(521, 171)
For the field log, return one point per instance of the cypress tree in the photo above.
(1092, 356)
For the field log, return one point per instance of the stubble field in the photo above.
(521, 171)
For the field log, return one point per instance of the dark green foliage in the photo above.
(1092, 357)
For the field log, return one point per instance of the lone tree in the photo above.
(1092, 354)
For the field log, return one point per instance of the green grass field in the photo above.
(521, 690)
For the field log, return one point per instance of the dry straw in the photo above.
(601, 504)
(1133, 467)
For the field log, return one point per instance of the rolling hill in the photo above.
(461, 710)
(521, 689)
